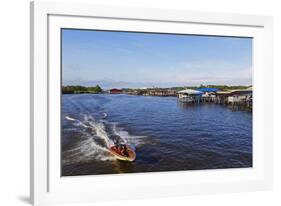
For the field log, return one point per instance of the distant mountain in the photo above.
(107, 84)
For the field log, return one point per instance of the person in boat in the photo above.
(123, 150)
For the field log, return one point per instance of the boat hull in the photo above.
(131, 154)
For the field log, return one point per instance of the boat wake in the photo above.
(97, 136)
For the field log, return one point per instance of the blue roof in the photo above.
(207, 89)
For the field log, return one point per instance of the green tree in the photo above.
(98, 89)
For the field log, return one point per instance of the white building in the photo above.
(189, 95)
(240, 96)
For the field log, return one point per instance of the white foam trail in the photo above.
(104, 115)
(97, 127)
(89, 118)
(100, 131)
(132, 140)
(70, 118)
(78, 122)
(88, 148)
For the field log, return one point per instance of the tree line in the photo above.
(219, 87)
(77, 89)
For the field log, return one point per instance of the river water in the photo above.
(166, 135)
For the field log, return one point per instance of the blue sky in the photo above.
(136, 60)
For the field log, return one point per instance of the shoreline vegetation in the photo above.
(77, 89)
(153, 91)
(218, 94)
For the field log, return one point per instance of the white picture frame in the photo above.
(47, 186)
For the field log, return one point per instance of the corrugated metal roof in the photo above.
(189, 91)
(208, 89)
(249, 89)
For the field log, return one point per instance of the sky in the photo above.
(140, 60)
